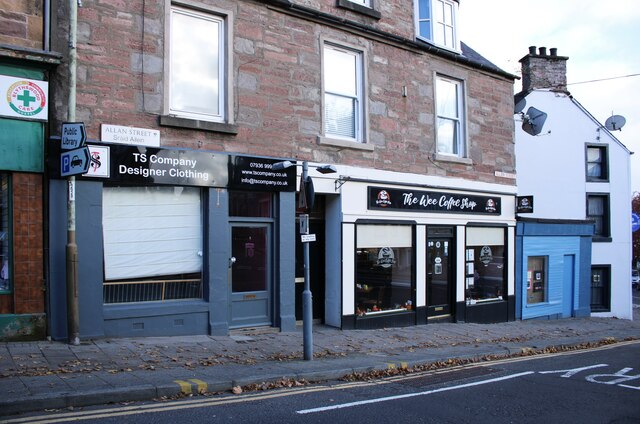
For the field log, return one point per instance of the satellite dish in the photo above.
(615, 123)
(533, 121)
(519, 107)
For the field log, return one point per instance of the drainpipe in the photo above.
(46, 40)
(73, 316)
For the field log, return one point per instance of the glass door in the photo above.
(440, 281)
(250, 275)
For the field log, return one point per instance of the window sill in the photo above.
(335, 142)
(597, 180)
(600, 239)
(454, 159)
(195, 124)
(346, 4)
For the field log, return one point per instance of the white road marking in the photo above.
(409, 395)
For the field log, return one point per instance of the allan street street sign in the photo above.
(74, 162)
(73, 135)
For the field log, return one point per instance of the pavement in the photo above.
(45, 375)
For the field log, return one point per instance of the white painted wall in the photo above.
(552, 168)
(353, 199)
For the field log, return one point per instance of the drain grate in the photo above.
(448, 376)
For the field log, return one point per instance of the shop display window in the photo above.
(5, 235)
(385, 276)
(485, 265)
(536, 279)
(153, 243)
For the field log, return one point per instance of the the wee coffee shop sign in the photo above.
(381, 198)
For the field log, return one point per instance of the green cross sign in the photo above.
(26, 98)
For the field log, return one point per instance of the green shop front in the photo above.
(24, 111)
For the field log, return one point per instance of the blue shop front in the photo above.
(553, 268)
(174, 242)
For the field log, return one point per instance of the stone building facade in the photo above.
(391, 98)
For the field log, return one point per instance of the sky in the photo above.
(600, 39)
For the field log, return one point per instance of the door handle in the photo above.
(232, 260)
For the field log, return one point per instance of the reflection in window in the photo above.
(196, 73)
(486, 270)
(600, 289)
(385, 278)
(343, 101)
(437, 22)
(597, 169)
(450, 140)
(536, 279)
(598, 211)
(250, 204)
(5, 233)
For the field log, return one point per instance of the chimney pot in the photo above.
(553, 51)
(532, 50)
(543, 51)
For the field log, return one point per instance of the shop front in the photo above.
(553, 268)
(175, 242)
(414, 255)
(23, 124)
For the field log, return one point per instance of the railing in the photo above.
(151, 290)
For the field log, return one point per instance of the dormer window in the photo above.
(437, 22)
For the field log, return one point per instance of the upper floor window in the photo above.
(362, 2)
(364, 7)
(196, 73)
(449, 107)
(598, 211)
(343, 93)
(597, 163)
(436, 22)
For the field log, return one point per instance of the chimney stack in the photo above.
(544, 71)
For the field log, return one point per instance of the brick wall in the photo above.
(28, 280)
(277, 87)
(21, 23)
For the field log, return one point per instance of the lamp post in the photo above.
(307, 305)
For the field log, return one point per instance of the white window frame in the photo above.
(222, 85)
(438, 37)
(459, 140)
(358, 97)
(366, 3)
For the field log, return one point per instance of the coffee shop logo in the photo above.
(384, 199)
(386, 257)
(26, 98)
(491, 205)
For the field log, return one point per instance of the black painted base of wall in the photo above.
(486, 313)
(398, 319)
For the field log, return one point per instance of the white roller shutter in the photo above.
(151, 231)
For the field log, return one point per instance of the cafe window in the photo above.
(485, 265)
(152, 243)
(5, 235)
(385, 276)
(537, 283)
